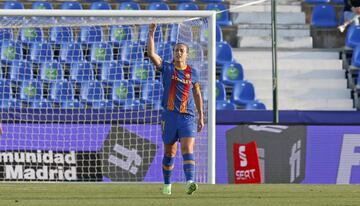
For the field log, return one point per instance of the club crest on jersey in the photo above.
(187, 76)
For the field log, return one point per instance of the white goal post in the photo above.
(16, 19)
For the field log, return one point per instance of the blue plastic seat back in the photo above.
(129, 6)
(72, 5)
(5, 90)
(31, 35)
(62, 91)
(317, 1)
(232, 73)
(120, 33)
(6, 35)
(91, 34)
(223, 53)
(92, 91)
(158, 6)
(255, 105)
(71, 52)
(204, 34)
(11, 50)
(243, 92)
(13, 5)
(152, 92)
(101, 52)
(41, 52)
(220, 92)
(112, 71)
(144, 31)
(142, 72)
(21, 71)
(187, 6)
(60, 35)
(352, 38)
(324, 15)
(121, 91)
(165, 51)
(132, 52)
(51, 71)
(82, 72)
(100, 5)
(225, 105)
(42, 5)
(182, 1)
(222, 18)
(31, 91)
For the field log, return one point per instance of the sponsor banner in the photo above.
(246, 163)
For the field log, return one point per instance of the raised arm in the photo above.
(199, 106)
(155, 58)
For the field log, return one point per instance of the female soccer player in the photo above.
(181, 95)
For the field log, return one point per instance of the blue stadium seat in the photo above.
(42, 104)
(21, 70)
(158, 6)
(72, 5)
(51, 71)
(142, 72)
(60, 35)
(211, 1)
(196, 53)
(223, 53)
(232, 73)
(352, 39)
(112, 71)
(255, 105)
(13, 5)
(182, 1)
(42, 5)
(151, 94)
(72, 105)
(165, 51)
(6, 35)
(324, 16)
(204, 34)
(131, 51)
(41, 52)
(100, 5)
(82, 72)
(187, 6)
(31, 35)
(144, 33)
(129, 6)
(243, 93)
(11, 51)
(123, 95)
(151, 1)
(31, 91)
(317, 1)
(222, 18)
(71, 52)
(92, 92)
(220, 91)
(225, 105)
(101, 52)
(62, 91)
(5, 93)
(337, 1)
(120, 33)
(91, 34)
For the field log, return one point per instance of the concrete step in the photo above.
(282, 42)
(305, 94)
(295, 73)
(291, 64)
(265, 18)
(283, 30)
(266, 8)
(314, 104)
(240, 54)
(302, 83)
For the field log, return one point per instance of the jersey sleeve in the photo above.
(195, 76)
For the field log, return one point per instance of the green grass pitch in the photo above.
(80, 194)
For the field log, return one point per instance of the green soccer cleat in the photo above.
(167, 189)
(191, 187)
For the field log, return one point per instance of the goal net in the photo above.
(80, 100)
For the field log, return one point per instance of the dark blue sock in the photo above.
(167, 162)
(189, 167)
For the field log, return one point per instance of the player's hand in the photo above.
(152, 28)
(341, 28)
(200, 125)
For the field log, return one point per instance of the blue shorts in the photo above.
(176, 126)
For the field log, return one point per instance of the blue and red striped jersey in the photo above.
(178, 85)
